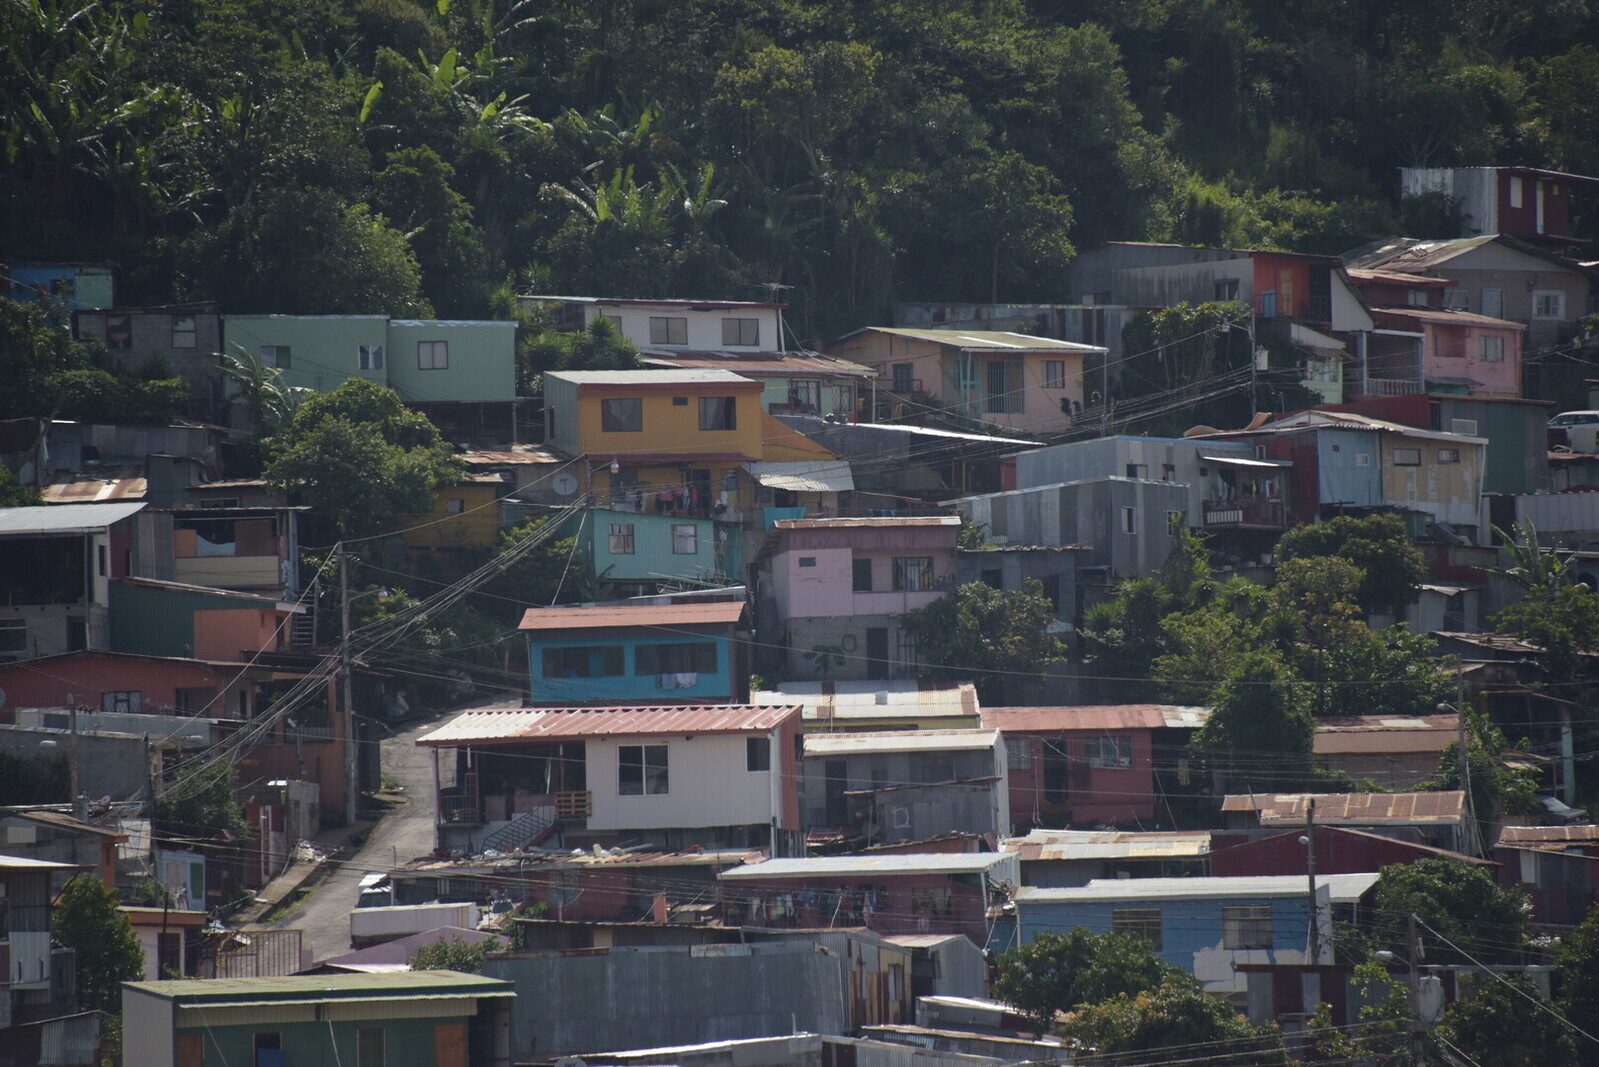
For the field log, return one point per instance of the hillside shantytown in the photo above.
(798, 535)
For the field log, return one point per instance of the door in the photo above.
(877, 652)
(1055, 772)
(449, 1044)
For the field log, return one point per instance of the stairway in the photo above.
(525, 831)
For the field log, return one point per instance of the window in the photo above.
(913, 573)
(1457, 299)
(1548, 304)
(665, 330)
(275, 356)
(1168, 472)
(757, 754)
(718, 413)
(455, 506)
(675, 657)
(121, 702)
(641, 770)
(1019, 753)
(741, 331)
(1493, 303)
(805, 393)
(1449, 455)
(1138, 470)
(1407, 457)
(622, 414)
(13, 635)
(183, 331)
(614, 320)
(807, 561)
(1129, 521)
(1225, 289)
(433, 355)
(1515, 192)
(1362, 459)
(1005, 387)
(369, 357)
(1246, 927)
(1493, 349)
(584, 661)
(1110, 752)
(904, 377)
(621, 541)
(934, 767)
(101, 554)
(905, 649)
(369, 1050)
(119, 331)
(1054, 374)
(1138, 922)
(861, 572)
(685, 539)
(1417, 298)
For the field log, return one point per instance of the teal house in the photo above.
(642, 552)
(638, 652)
(393, 1019)
(427, 361)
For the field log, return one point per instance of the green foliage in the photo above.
(599, 346)
(1496, 1024)
(41, 780)
(1057, 972)
(824, 658)
(1577, 966)
(200, 805)
(1389, 561)
(1260, 732)
(453, 954)
(1139, 1030)
(1497, 789)
(359, 456)
(87, 920)
(1459, 901)
(552, 573)
(1564, 626)
(1177, 354)
(985, 634)
(14, 494)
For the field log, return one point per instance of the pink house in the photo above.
(1461, 352)
(841, 585)
(1097, 764)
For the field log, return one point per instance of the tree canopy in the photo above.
(1055, 973)
(87, 919)
(984, 634)
(1462, 912)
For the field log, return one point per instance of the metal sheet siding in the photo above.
(707, 785)
(1342, 481)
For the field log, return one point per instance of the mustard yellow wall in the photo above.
(476, 526)
(671, 428)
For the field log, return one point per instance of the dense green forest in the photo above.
(322, 156)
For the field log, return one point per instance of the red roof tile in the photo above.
(698, 613)
(488, 726)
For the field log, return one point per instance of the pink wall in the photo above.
(222, 635)
(1451, 351)
(1093, 794)
(47, 683)
(827, 587)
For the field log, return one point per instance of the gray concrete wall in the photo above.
(107, 763)
(652, 997)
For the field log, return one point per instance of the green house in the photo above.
(390, 1019)
(647, 552)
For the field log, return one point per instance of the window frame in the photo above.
(1130, 521)
(1054, 374)
(668, 330)
(364, 1052)
(757, 754)
(738, 329)
(695, 657)
(859, 569)
(1406, 457)
(1493, 348)
(652, 766)
(621, 539)
(612, 658)
(902, 383)
(434, 349)
(917, 569)
(278, 357)
(1558, 296)
(1245, 927)
(622, 414)
(1138, 922)
(1111, 752)
(685, 533)
(1019, 753)
(718, 414)
(17, 627)
(1446, 456)
(185, 331)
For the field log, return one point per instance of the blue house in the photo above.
(1206, 926)
(637, 652)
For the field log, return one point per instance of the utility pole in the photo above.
(1417, 1055)
(149, 774)
(72, 753)
(1463, 772)
(346, 696)
(1313, 954)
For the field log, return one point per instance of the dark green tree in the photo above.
(1563, 624)
(1499, 1025)
(360, 457)
(200, 804)
(453, 954)
(984, 634)
(14, 494)
(1577, 966)
(1260, 733)
(1142, 1030)
(414, 193)
(1055, 973)
(1391, 565)
(1455, 902)
(87, 919)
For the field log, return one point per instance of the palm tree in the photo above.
(1538, 571)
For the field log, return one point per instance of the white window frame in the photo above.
(433, 355)
(685, 539)
(620, 539)
(1497, 302)
(741, 333)
(1493, 348)
(1114, 752)
(1446, 456)
(13, 632)
(668, 330)
(1516, 197)
(654, 766)
(1457, 298)
(185, 331)
(279, 357)
(1245, 927)
(1407, 457)
(369, 357)
(1130, 521)
(1019, 753)
(1546, 297)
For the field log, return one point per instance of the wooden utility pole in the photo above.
(346, 695)
(1313, 952)
(1417, 1049)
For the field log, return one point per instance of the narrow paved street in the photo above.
(405, 833)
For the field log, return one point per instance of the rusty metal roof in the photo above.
(104, 484)
(1549, 836)
(890, 522)
(776, 364)
(1094, 717)
(515, 455)
(699, 613)
(509, 725)
(1105, 845)
(1376, 734)
(1443, 807)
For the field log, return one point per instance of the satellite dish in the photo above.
(564, 484)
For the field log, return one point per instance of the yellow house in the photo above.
(465, 516)
(694, 443)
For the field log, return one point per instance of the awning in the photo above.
(1239, 461)
(808, 476)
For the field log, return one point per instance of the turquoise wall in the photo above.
(652, 558)
(409, 1042)
(482, 360)
(628, 686)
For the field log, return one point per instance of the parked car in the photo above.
(1573, 418)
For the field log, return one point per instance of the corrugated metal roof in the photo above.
(1356, 734)
(1001, 340)
(23, 864)
(491, 725)
(1341, 888)
(514, 456)
(1105, 845)
(1444, 315)
(64, 518)
(875, 700)
(699, 613)
(778, 364)
(879, 522)
(1094, 717)
(1359, 422)
(313, 988)
(1546, 836)
(1288, 809)
(105, 484)
(834, 866)
(650, 377)
(900, 741)
(805, 476)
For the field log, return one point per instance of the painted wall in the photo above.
(325, 1036)
(1450, 492)
(667, 427)
(902, 903)
(704, 327)
(192, 354)
(1449, 351)
(323, 349)
(1089, 795)
(78, 286)
(707, 781)
(86, 677)
(654, 556)
(631, 687)
(481, 360)
(462, 517)
(909, 814)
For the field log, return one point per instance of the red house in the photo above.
(1338, 851)
(1094, 764)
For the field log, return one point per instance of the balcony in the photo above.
(1245, 513)
(1388, 387)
